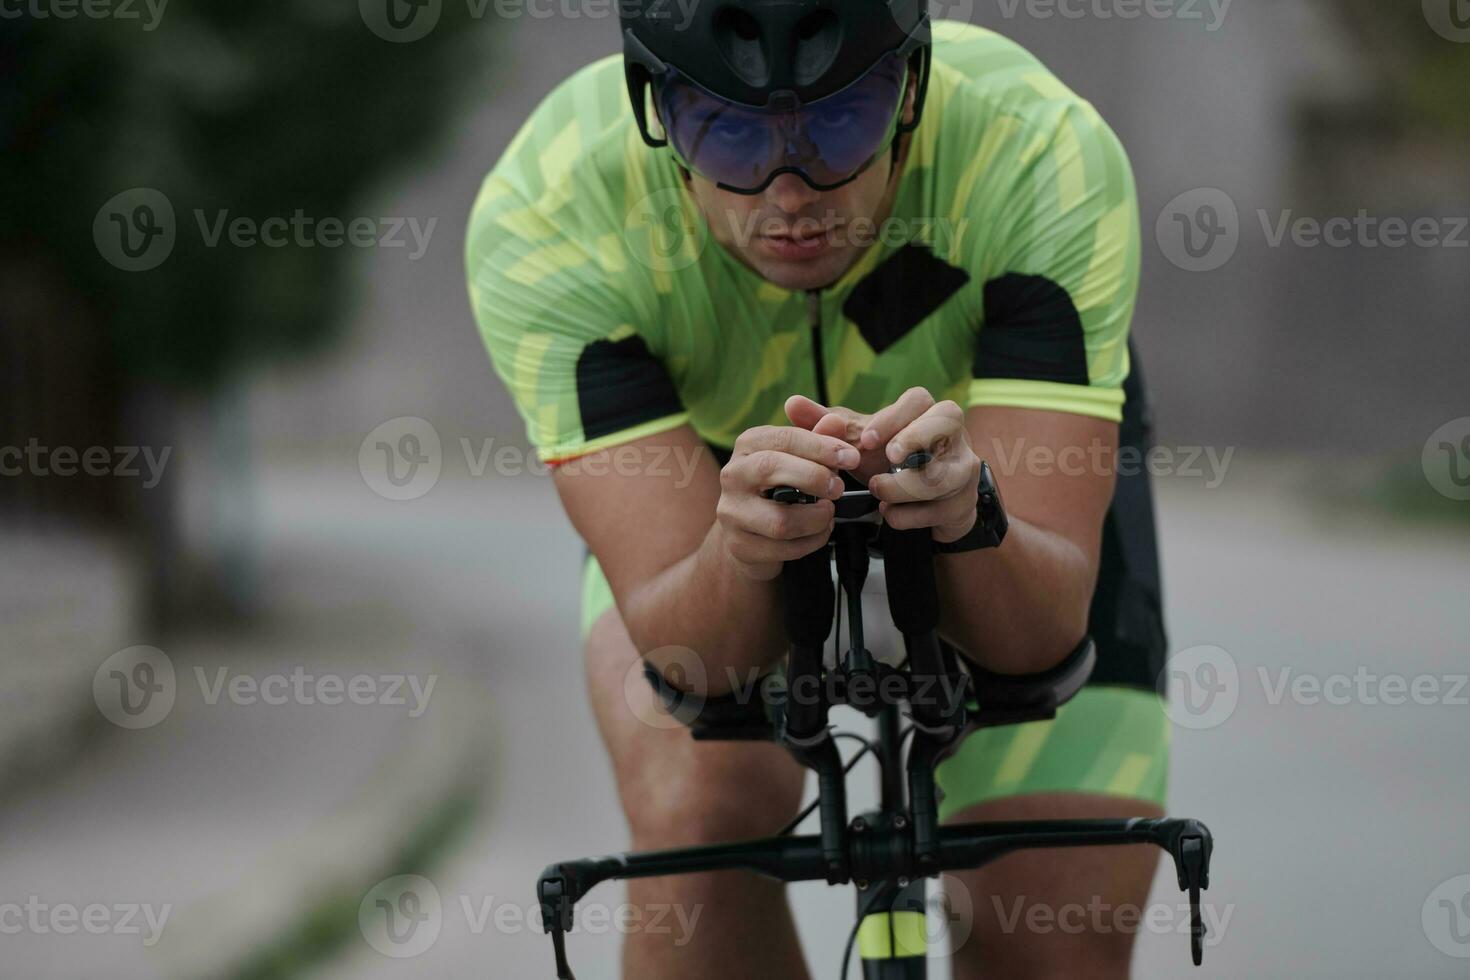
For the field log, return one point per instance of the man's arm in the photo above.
(1023, 607)
(692, 554)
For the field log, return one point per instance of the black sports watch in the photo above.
(991, 522)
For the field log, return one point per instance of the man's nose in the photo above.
(791, 193)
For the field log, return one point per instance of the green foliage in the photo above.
(260, 109)
(1422, 76)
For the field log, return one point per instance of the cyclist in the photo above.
(777, 243)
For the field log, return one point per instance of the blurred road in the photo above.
(1334, 823)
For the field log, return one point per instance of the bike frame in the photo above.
(887, 853)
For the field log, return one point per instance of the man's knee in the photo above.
(1032, 955)
(719, 792)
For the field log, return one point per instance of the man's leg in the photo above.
(1074, 890)
(1054, 913)
(680, 793)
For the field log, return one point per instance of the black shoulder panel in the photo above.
(1032, 332)
(901, 293)
(620, 384)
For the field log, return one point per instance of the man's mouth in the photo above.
(799, 243)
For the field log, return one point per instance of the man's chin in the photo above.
(804, 276)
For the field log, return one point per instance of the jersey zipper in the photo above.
(819, 363)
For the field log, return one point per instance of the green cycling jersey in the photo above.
(1005, 276)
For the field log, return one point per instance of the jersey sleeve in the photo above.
(1062, 278)
(559, 331)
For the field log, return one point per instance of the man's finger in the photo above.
(881, 428)
(823, 449)
(803, 412)
(935, 432)
(941, 478)
(768, 469)
(931, 514)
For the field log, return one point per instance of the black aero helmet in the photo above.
(749, 89)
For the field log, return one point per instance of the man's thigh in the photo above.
(676, 791)
(1055, 912)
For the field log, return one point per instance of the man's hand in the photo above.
(942, 495)
(760, 534)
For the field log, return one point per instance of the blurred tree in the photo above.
(1391, 126)
(213, 108)
(1421, 76)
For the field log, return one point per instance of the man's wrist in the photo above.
(989, 526)
(717, 549)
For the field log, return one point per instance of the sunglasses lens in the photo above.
(828, 141)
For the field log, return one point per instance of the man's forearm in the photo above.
(1021, 608)
(704, 603)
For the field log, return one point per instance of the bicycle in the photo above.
(888, 853)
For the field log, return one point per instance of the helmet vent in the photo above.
(738, 35)
(818, 42)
